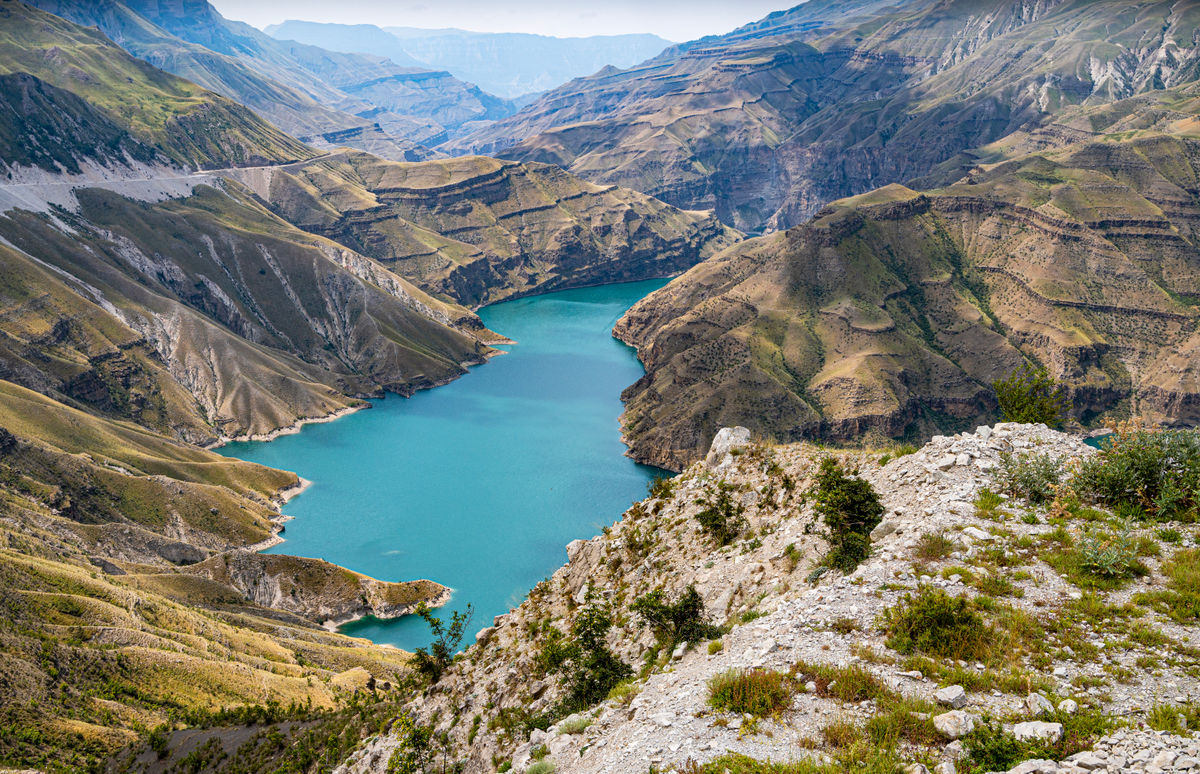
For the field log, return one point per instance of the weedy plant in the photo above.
(1031, 477)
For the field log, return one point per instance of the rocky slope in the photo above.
(771, 122)
(475, 230)
(1073, 652)
(893, 312)
(42, 56)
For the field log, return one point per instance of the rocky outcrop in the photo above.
(782, 615)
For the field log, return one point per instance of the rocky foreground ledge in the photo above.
(1075, 652)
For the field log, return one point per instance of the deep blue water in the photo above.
(480, 484)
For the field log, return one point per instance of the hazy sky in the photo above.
(676, 20)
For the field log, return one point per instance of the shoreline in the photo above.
(333, 624)
(291, 429)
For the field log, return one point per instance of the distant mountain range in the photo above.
(323, 97)
(509, 64)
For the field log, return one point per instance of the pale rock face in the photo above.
(727, 439)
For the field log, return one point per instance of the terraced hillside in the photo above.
(893, 312)
(475, 230)
(771, 122)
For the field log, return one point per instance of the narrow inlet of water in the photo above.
(479, 484)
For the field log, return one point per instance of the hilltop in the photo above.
(1087, 656)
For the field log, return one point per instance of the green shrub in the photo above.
(852, 683)
(592, 669)
(937, 624)
(991, 748)
(1031, 396)
(987, 504)
(661, 487)
(933, 546)
(721, 518)
(759, 692)
(415, 748)
(544, 766)
(672, 623)
(850, 508)
(1031, 477)
(1110, 556)
(1149, 471)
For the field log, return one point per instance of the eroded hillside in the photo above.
(771, 122)
(894, 312)
(475, 230)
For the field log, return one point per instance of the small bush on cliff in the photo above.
(661, 487)
(1031, 396)
(680, 621)
(432, 662)
(1156, 472)
(850, 508)
(721, 517)
(937, 624)
(589, 669)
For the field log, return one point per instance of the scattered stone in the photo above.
(1036, 704)
(952, 696)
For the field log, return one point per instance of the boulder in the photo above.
(952, 696)
(954, 724)
(726, 440)
(1036, 704)
(1038, 730)
(1038, 766)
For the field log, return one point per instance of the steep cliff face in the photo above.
(475, 230)
(893, 312)
(771, 122)
(260, 323)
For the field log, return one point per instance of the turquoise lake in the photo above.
(479, 484)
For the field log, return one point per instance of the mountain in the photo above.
(323, 97)
(475, 231)
(771, 122)
(893, 312)
(296, 112)
(508, 64)
(160, 117)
